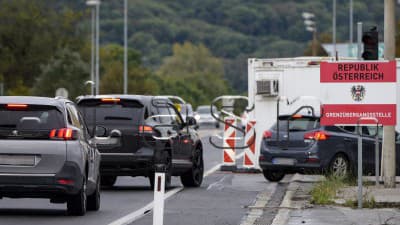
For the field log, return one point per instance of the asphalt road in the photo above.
(222, 199)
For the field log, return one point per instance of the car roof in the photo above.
(121, 96)
(146, 100)
(34, 100)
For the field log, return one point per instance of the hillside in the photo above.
(231, 29)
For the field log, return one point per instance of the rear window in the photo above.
(205, 110)
(297, 124)
(34, 121)
(112, 113)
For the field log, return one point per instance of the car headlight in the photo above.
(197, 117)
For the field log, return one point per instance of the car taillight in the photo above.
(145, 129)
(110, 100)
(65, 181)
(267, 134)
(63, 134)
(17, 106)
(316, 135)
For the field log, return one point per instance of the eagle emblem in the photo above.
(358, 92)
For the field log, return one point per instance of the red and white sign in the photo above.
(229, 142)
(351, 90)
(250, 159)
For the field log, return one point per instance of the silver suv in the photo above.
(46, 151)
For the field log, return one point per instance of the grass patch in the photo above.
(367, 203)
(325, 191)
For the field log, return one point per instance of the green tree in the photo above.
(140, 79)
(193, 73)
(66, 70)
(30, 34)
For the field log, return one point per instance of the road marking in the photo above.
(143, 211)
(218, 185)
(131, 217)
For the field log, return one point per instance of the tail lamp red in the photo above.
(267, 134)
(63, 134)
(317, 135)
(17, 106)
(65, 181)
(110, 100)
(145, 129)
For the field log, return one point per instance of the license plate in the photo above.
(283, 161)
(106, 141)
(17, 160)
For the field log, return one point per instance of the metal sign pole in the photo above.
(359, 42)
(359, 178)
(377, 157)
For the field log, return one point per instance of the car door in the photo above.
(184, 140)
(73, 117)
(368, 148)
(94, 154)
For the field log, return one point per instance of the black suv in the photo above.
(152, 131)
(46, 151)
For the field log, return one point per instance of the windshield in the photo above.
(34, 122)
(297, 124)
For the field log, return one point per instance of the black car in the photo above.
(46, 151)
(302, 145)
(153, 132)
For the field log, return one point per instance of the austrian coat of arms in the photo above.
(358, 92)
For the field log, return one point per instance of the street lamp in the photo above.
(95, 42)
(311, 27)
(126, 47)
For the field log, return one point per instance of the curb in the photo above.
(283, 214)
(257, 210)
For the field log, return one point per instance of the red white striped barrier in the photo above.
(229, 142)
(250, 153)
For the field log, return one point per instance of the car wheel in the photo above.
(339, 166)
(194, 177)
(108, 181)
(76, 205)
(93, 200)
(273, 176)
(168, 171)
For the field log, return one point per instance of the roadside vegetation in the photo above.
(326, 192)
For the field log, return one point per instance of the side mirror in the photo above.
(100, 131)
(115, 134)
(191, 121)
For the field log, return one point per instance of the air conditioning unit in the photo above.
(267, 87)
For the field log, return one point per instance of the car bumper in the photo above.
(291, 161)
(139, 163)
(296, 168)
(68, 181)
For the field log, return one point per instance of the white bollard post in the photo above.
(159, 191)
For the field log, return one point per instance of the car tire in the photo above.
(76, 205)
(168, 171)
(194, 177)
(273, 176)
(339, 166)
(93, 200)
(108, 181)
